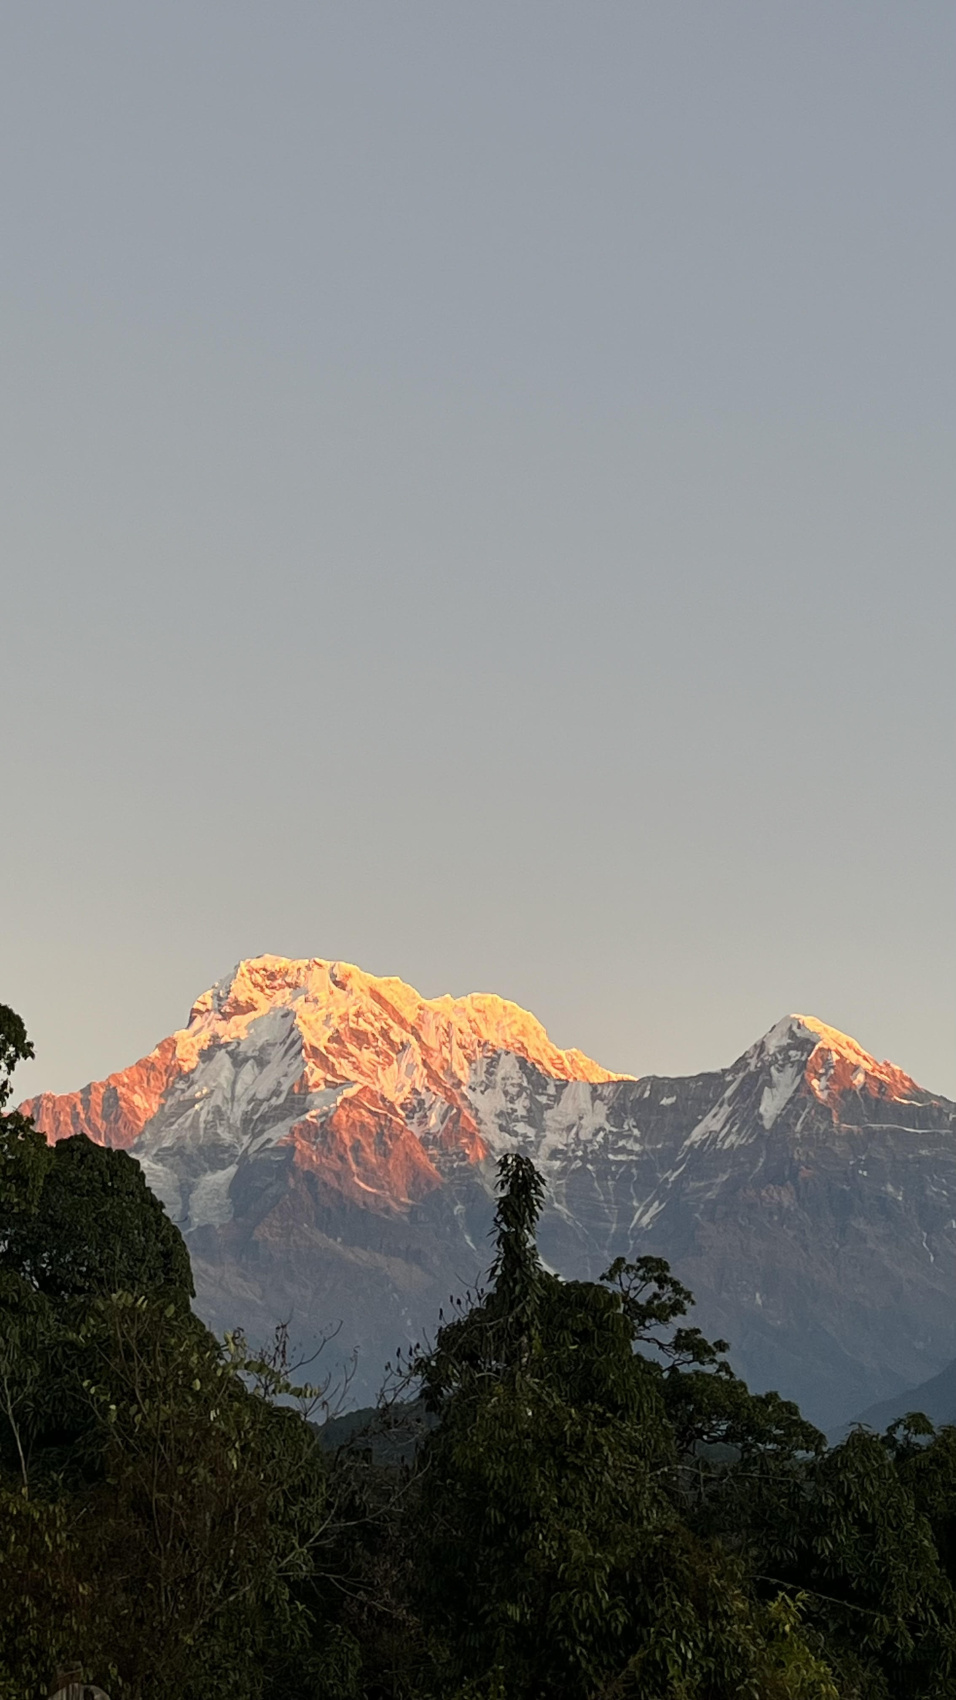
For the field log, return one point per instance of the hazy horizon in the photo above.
(478, 502)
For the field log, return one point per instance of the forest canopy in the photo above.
(567, 1495)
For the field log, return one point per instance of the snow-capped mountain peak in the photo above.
(366, 1082)
(326, 1140)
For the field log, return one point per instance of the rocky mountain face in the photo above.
(327, 1141)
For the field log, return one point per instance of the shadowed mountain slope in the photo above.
(935, 1398)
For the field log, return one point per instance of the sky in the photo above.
(477, 501)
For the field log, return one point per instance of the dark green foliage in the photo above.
(926, 1462)
(208, 1501)
(868, 1552)
(163, 1509)
(75, 1218)
(96, 1228)
(554, 1554)
(24, 1153)
(182, 1518)
(581, 1502)
(15, 1047)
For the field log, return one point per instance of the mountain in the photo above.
(327, 1140)
(935, 1398)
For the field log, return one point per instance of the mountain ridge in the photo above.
(327, 1141)
(116, 1110)
(935, 1399)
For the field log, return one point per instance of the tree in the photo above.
(24, 1153)
(926, 1461)
(205, 1504)
(15, 1047)
(865, 1557)
(96, 1228)
(77, 1218)
(553, 1556)
(163, 1508)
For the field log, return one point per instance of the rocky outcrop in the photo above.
(327, 1142)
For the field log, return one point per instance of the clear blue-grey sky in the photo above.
(478, 501)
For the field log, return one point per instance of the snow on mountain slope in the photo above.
(366, 1082)
(326, 1140)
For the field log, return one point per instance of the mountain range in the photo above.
(327, 1139)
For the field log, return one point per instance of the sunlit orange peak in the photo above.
(339, 999)
(357, 1032)
(838, 1064)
